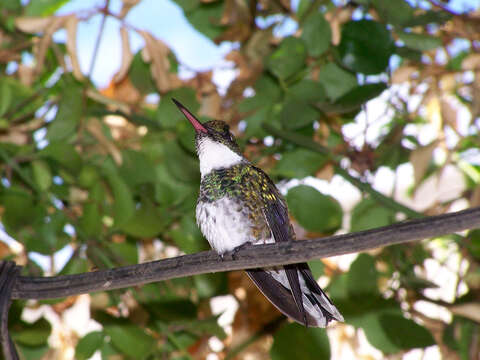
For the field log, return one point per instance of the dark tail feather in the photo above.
(292, 303)
(328, 309)
(279, 296)
(292, 276)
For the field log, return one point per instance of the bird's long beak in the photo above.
(193, 120)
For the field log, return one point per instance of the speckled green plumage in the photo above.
(253, 193)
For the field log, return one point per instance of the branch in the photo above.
(249, 257)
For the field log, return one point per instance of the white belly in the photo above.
(224, 225)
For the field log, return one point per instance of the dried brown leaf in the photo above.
(156, 52)
(33, 25)
(40, 48)
(449, 113)
(326, 172)
(420, 159)
(15, 137)
(71, 25)
(469, 310)
(475, 197)
(95, 128)
(245, 71)
(25, 74)
(127, 55)
(211, 106)
(337, 18)
(126, 7)
(471, 62)
(403, 73)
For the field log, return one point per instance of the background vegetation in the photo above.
(111, 174)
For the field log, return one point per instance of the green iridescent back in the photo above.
(253, 191)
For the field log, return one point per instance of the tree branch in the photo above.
(249, 257)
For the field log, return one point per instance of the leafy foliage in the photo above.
(111, 174)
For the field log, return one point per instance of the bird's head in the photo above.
(215, 144)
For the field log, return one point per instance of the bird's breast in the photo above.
(227, 224)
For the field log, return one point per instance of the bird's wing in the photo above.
(276, 213)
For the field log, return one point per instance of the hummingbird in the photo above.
(239, 204)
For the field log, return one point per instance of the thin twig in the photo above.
(99, 38)
(251, 257)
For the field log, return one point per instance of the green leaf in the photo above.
(5, 96)
(288, 58)
(408, 53)
(87, 345)
(11, 5)
(34, 334)
(359, 95)
(207, 326)
(362, 268)
(43, 7)
(130, 340)
(76, 265)
(88, 176)
(316, 34)
(187, 236)
(376, 334)
(256, 120)
(136, 168)
(168, 190)
(317, 267)
(395, 12)
(69, 112)
(210, 285)
(308, 90)
(123, 206)
(297, 114)
(63, 153)
(267, 91)
(42, 174)
(49, 234)
(474, 243)
(140, 75)
(168, 114)
(294, 341)
(147, 221)
(299, 163)
(405, 333)
(368, 214)
(313, 210)
(428, 17)
(125, 253)
(32, 352)
(19, 209)
(206, 18)
(420, 42)
(366, 46)
(181, 165)
(336, 81)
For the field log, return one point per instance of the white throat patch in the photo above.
(214, 155)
